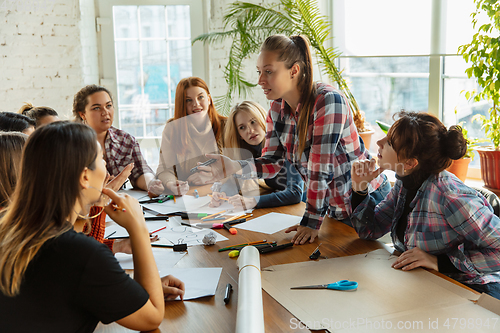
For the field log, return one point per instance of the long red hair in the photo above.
(181, 138)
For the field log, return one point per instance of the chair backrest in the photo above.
(491, 197)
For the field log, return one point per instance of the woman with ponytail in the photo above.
(311, 126)
(435, 220)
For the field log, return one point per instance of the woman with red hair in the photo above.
(195, 130)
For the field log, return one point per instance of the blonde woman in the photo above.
(245, 137)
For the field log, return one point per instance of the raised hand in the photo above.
(363, 172)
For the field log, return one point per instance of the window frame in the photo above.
(107, 54)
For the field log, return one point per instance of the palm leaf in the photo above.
(248, 25)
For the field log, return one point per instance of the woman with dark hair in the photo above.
(61, 280)
(435, 220)
(93, 106)
(311, 126)
(11, 148)
(42, 115)
(195, 130)
(14, 122)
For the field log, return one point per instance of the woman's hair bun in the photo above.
(453, 143)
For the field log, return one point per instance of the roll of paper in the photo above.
(250, 314)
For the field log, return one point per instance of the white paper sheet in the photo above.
(139, 195)
(177, 233)
(199, 282)
(229, 209)
(185, 203)
(165, 259)
(270, 223)
(174, 233)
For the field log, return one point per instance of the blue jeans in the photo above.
(492, 288)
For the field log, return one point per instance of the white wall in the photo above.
(40, 55)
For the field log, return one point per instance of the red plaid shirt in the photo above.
(332, 144)
(121, 150)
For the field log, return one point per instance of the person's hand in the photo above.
(217, 199)
(124, 245)
(303, 234)
(200, 178)
(155, 188)
(125, 210)
(116, 182)
(363, 172)
(414, 258)
(242, 203)
(172, 287)
(177, 187)
(221, 169)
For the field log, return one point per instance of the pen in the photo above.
(196, 194)
(227, 295)
(212, 215)
(210, 161)
(152, 232)
(116, 207)
(111, 234)
(190, 225)
(156, 218)
(220, 198)
(243, 244)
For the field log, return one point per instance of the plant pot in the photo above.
(459, 168)
(367, 138)
(490, 166)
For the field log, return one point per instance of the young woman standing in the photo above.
(309, 125)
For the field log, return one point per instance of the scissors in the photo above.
(339, 285)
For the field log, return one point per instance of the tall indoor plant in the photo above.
(483, 53)
(247, 25)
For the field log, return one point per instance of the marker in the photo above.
(227, 295)
(275, 248)
(196, 195)
(212, 215)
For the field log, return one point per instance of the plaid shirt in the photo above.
(121, 150)
(447, 217)
(332, 144)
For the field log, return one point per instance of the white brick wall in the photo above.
(41, 55)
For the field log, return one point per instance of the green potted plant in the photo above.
(483, 53)
(247, 25)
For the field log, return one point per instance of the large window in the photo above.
(146, 50)
(402, 54)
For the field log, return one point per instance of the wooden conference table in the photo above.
(210, 314)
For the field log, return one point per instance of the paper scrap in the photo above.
(199, 282)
